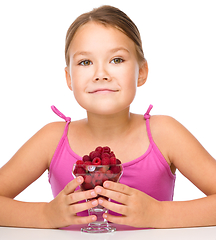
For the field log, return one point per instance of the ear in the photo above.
(68, 78)
(143, 73)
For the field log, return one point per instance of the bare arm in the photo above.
(182, 150)
(28, 164)
(197, 165)
(21, 214)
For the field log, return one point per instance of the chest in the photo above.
(126, 147)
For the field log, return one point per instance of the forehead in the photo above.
(93, 36)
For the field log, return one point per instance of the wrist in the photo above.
(47, 217)
(156, 218)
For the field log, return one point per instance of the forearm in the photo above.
(194, 213)
(22, 214)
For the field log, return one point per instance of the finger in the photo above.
(71, 186)
(114, 195)
(122, 220)
(118, 187)
(115, 207)
(79, 207)
(80, 196)
(84, 220)
(79, 190)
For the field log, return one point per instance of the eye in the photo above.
(117, 60)
(85, 63)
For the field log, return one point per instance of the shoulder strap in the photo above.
(147, 117)
(61, 115)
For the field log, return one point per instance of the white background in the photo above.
(179, 42)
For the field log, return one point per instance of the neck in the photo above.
(108, 127)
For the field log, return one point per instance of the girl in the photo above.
(105, 65)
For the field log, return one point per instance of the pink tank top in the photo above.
(150, 173)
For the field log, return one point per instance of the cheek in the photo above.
(77, 79)
(131, 85)
(77, 91)
(129, 80)
(77, 86)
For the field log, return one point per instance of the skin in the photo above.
(104, 74)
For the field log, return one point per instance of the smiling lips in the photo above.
(105, 90)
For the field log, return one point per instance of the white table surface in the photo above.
(205, 233)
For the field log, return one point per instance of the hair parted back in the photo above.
(108, 16)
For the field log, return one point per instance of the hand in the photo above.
(137, 208)
(62, 211)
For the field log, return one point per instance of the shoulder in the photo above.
(49, 136)
(162, 118)
(162, 124)
(168, 134)
(51, 131)
(53, 128)
(172, 137)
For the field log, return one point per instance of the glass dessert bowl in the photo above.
(95, 174)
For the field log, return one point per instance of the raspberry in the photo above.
(104, 168)
(87, 163)
(112, 154)
(87, 179)
(103, 155)
(79, 171)
(113, 161)
(86, 158)
(115, 169)
(106, 161)
(109, 174)
(105, 178)
(94, 154)
(99, 149)
(87, 186)
(118, 161)
(96, 161)
(97, 178)
(79, 162)
(97, 182)
(106, 149)
(98, 175)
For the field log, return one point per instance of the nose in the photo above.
(101, 73)
(104, 78)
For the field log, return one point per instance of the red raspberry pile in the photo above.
(97, 167)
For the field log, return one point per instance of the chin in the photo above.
(107, 111)
(106, 107)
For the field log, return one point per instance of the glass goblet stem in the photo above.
(101, 225)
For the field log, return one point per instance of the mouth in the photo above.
(104, 90)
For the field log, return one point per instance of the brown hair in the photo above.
(111, 16)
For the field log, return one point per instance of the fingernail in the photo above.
(106, 184)
(94, 203)
(105, 216)
(100, 201)
(93, 194)
(98, 190)
(79, 179)
(94, 218)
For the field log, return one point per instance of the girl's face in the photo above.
(104, 71)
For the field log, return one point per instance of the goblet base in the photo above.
(100, 225)
(98, 229)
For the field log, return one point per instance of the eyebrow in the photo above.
(119, 49)
(114, 50)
